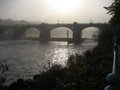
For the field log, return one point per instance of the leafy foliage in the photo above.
(3, 70)
(114, 9)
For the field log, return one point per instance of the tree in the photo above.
(114, 10)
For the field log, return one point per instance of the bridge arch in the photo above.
(90, 32)
(61, 32)
(31, 33)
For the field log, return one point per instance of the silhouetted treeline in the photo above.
(16, 22)
(114, 10)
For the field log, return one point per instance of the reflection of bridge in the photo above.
(16, 31)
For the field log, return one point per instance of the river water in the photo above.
(27, 58)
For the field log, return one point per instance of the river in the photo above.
(26, 58)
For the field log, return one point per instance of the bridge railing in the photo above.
(112, 78)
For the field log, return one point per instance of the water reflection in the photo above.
(60, 56)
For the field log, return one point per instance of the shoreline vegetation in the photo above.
(82, 72)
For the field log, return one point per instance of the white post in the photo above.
(67, 37)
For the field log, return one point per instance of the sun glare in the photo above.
(64, 6)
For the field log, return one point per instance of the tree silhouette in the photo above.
(114, 10)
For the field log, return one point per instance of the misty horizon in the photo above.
(41, 22)
(56, 11)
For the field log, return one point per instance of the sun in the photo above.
(64, 6)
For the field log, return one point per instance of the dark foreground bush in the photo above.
(3, 69)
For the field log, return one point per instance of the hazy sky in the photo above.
(52, 11)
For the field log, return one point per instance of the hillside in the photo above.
(16, 22)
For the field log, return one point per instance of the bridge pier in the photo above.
(76, 33)
(44, 34)
(76, 37)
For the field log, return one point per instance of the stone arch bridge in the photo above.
(15, 31)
